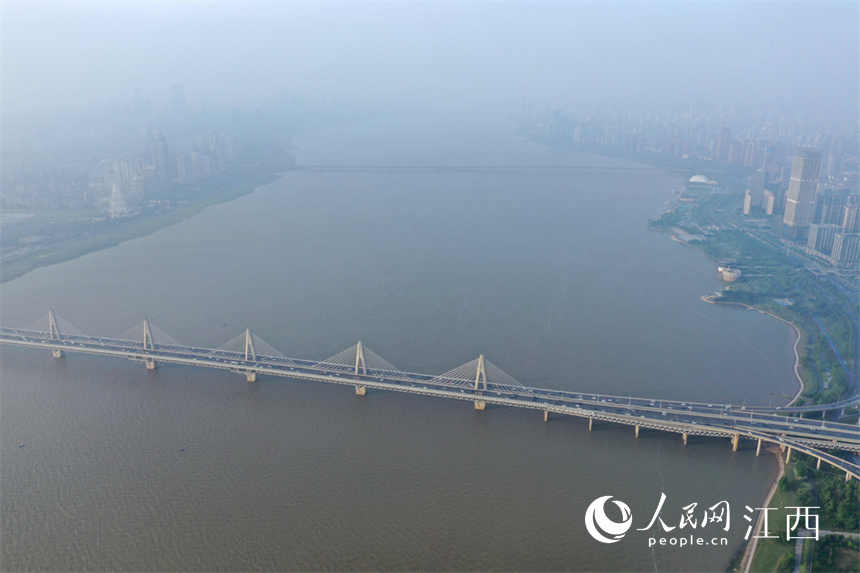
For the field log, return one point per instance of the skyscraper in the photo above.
(801, 193)
(724, 142)
(159, 156)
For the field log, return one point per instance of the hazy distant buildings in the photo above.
(829, 206)
(800, 196)
(158, 150)
(755, 191)
(724, 143)
(768, 201)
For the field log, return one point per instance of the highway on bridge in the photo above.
(478, 381)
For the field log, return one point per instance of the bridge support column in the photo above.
(480, 405)
(847, 475)
(818, 464)
(758, 448)
(150, 363)
(788, 455)
(637, 431)
(684, 436)
(57, 353)
(251, 376)
(590, 421)
(781, 448)
(360, 390)
(735, 440)
(546, 415)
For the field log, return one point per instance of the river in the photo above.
(553, 277)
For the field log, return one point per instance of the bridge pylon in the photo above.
(55, 333)
(360, 363)
(480, 378)
(250, 353)
(481, 373)
(359, 359)
(148, 344)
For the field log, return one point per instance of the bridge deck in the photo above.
(689, 418)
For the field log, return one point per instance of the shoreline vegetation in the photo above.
(815, 307)
(238, 184)
(781, 292)
(778, 555)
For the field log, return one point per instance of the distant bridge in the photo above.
(478, 381)
(474, 168)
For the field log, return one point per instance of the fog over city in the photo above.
(429, 286)
(793, 55)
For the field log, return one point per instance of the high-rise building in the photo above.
(755, 191)
(851, 215)
(724, 141)
(846, 249)
(768, 201)
(829, 206)
(821, 238)
(158, 145)
(801, 193)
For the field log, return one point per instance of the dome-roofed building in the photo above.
(699, 184)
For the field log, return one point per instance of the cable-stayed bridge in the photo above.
(478, 381)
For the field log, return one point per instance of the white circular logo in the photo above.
(596, 521)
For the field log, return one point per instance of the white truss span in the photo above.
(478, 381)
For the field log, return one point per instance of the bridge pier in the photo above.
(684, 436)
(546, 415)
(150, 363)
(788, 455)
(758, 448)
(251, 376)
(637, 431)
(480, 405)
(818, 464)
(735, 440)
(360, 390)
(847, 475)
(590, 421)
(57, 353)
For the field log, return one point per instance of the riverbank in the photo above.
(712, 299)
(750, 553)
(113, 233)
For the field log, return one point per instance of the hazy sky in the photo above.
(554, 53)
